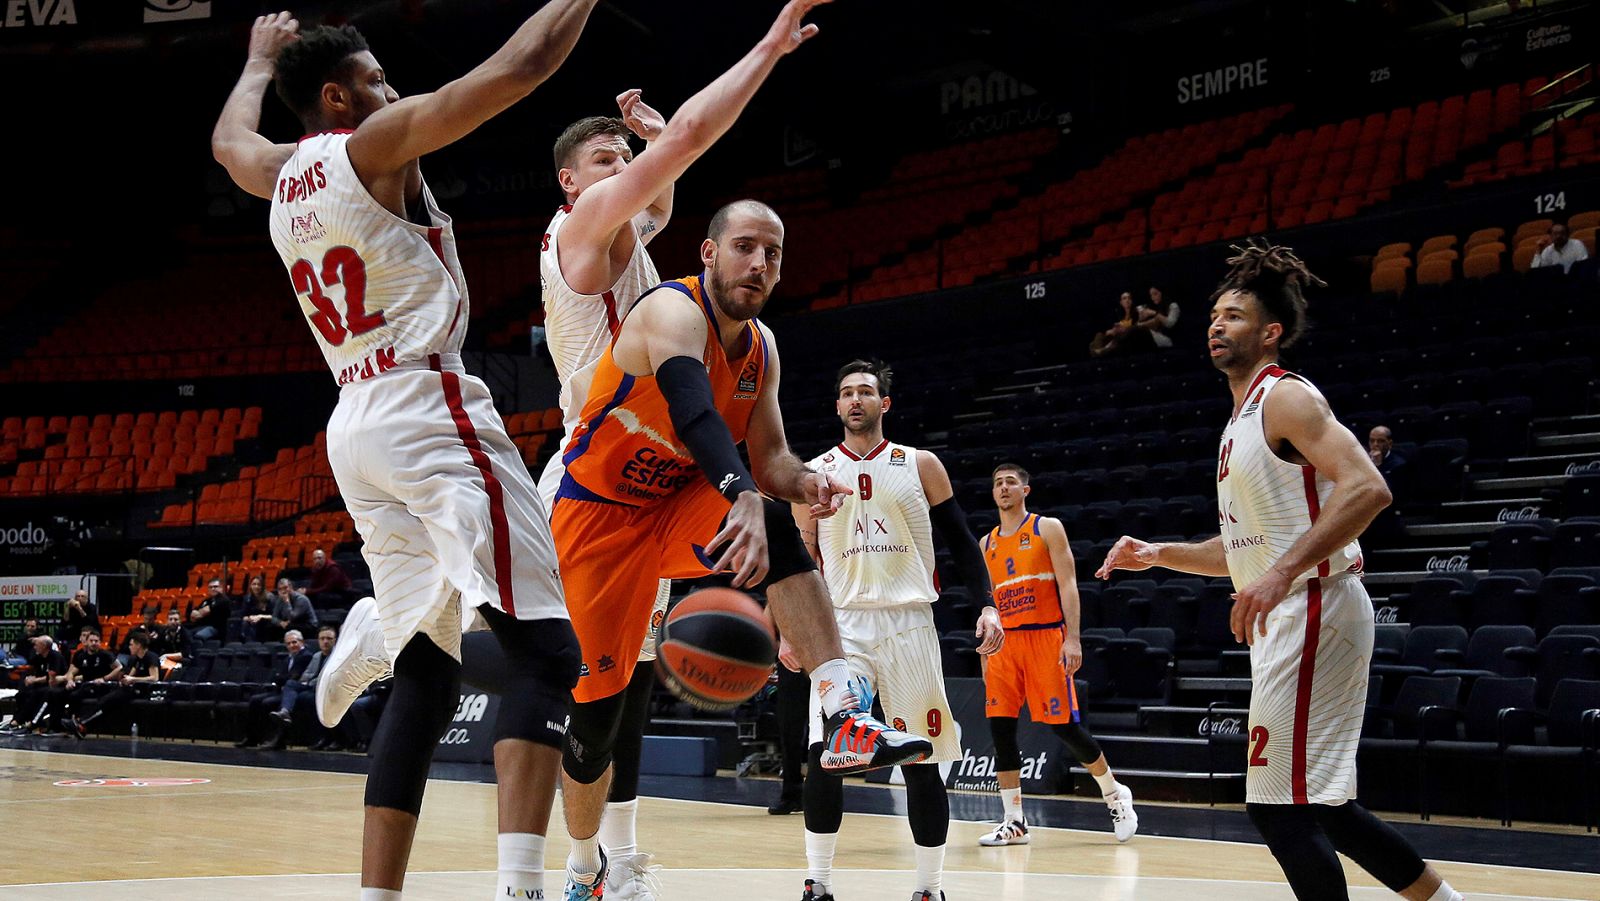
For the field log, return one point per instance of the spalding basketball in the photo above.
(716, 649)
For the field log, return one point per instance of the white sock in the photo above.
(521, 866)
(379, 894)
(930, 869)
(584, 858)
(1445, 893)
(1107, 782)
(618, 828)
(819, 858)
(832, 682)
(1012, 799)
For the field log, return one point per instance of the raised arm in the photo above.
(1299, 416)
(252, 161)
(604, 208)
(643, 120)
(399, 133)
(951, 525)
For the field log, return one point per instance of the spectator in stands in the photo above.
(46, 666)
(92, 673)
(78, 614)
(258, 623)
(1385, 529)
(139, 667)
(172, 638)
(1114, 338)
(360, 722)
(293, 610)
(1380, 447)
(149, 626)
(329, 586)
(210, 619)
(1558, 249)
(24, 646)
(258, 720)
(300, 696)
(1157, 318)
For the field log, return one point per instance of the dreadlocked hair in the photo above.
(1277, 278)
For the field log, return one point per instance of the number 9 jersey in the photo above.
(377, 290)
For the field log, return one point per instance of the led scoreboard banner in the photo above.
(33, 597)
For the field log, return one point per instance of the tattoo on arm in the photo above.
(648, 227)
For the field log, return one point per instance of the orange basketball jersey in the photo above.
(625, 450)
(1023, 578)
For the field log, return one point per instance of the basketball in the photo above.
(716, 649)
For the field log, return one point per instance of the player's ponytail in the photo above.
(1275, 277)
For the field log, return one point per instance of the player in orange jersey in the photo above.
(1036, 589)
(654, 488)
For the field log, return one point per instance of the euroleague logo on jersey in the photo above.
(747, 380)
(129, 783)
(897, 457)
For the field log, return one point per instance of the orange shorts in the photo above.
(1028, 670)
(612, 558)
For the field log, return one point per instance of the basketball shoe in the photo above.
(814, 892)
(632, 877)
(926, 895)
(583, 891)
(358, 660)
(855, 741)
(1123, 820)
(1014, 832)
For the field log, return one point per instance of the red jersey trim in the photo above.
(1302, 695)
(870, 454)
(331, 131)
(1271, 369)
(499, 527)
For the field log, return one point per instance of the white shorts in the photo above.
(549, 483)
(1309, 695)
(897, 650)
(446, 509)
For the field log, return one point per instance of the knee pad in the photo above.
(1373, 844)
(538, 668)
(1078, 740)
(591, 738)
(427, 685)
(629, 746)
(1007, 756)
(786, 551)
(927, 805)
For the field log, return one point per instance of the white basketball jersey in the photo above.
(377, 290)
(877, 551)
(579, 327)
(1264, 502)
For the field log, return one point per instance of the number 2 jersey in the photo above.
(378, 290)
(1265, 503)
(877, 551)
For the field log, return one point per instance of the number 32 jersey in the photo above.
(378, 291)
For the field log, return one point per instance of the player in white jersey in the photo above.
(876, 555)
(1294, 490)
(449, 516)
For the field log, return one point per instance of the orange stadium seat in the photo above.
(1389, 280)
(1436, 271)
(1579, 221)
(1436, 243)
(1392, 251)
(1480, 265)
(1484, 236)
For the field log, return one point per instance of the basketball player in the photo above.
(690, 375)
(1294, 489)
(449, 517)
(877, 557)
(1036, 589)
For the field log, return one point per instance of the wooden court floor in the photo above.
(248, 832)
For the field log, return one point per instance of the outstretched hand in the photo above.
(788, 32)
(1128, 553)
(640, 117)
(270, 34)
(825, 494)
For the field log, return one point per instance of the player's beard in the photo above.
(722, 293)
(865, 426)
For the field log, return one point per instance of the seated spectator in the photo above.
(1385, 528)
(77, 615)
(1116, 337)
(258, 623)
(360, 722)
(149, 626)
(139, 667)
(210, 619)
(24, 645)
(329, 586)
(260, 718)
(1558, 249)
(46, 666)
(92, 673)
(293, 610)
(1157, 318)
(172, 638)
(300, 696)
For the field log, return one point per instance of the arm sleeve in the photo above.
(687, 388)
(952, 525)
